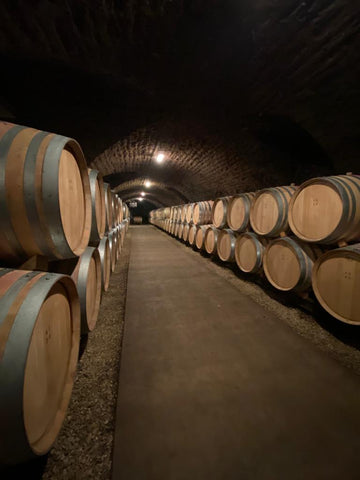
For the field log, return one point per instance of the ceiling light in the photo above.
(147, 184)
(140, 199)
(160, 158)
(142, 194)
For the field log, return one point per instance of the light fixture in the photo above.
(140, 199)
(160, 157)
(147, 184)
(142, 194)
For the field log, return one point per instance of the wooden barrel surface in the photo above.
(327, 210)
(44, 195)
(226, 245)
(288, 263)
(249, 251)
(98, 213)
(202, 213)
(189, 213)
(105, 260)
(219, 212)
(238, 211)
(185, 234)
(183, 209)
(113, 249)
(180, 230)
(200, 236)
(210, 240)
(108, 207)
(192, 234)
(114, 207)
(39, 345)
(336, 283)
(269, 211)
(87, 276)
(176, 230)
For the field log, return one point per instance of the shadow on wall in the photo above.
(292, 144)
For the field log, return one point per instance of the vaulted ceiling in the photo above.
(237, 94)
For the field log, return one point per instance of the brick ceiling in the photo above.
(237, 94)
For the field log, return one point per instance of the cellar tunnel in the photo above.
(196, 365)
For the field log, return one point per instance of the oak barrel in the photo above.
(183, 209)
(249, 251)
(105, 260)
(39, 345)
(113, 249)
(87, 277)
(327, 210)
(189, 212)
(288, 263)
(210, 240)
(219, 212)
(192, 234)
(238, 211)
(108, 207)
(200, 236)
(98, 213)
(44, 195)
(269, 211)
(180, 230)
(202, 213)
(336, 283)
(185, 234)
(226, 245)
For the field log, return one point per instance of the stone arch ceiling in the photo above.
(238, 94)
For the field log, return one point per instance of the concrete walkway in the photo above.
(213, 387)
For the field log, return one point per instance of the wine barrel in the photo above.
(336, 283)
(87, 277)
(210, 240)
(200, 236)
(183, 213)
(39, 345)
(249, 251)
(108, 207)
(44, 195)
(114, 207)
(226, 245)
(192, 234)
(120, 209)
(185, 235)
(202, 213)
(189, 212)
(238, 211)
(113, 249)
(327, 210)
(105, 260)
(269, 211)
(219, 212)
(180, 230)
(288, 263)
(98, 213)
(176, 230)
(121, 230)
(172, 228)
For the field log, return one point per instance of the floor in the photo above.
(213, 386)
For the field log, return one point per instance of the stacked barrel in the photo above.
(288, 234)
(54, 261)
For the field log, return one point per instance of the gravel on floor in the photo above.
(84, 447)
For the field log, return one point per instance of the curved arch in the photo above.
(153, 202)
(206, 159)
(136, 195)
(162, 195)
